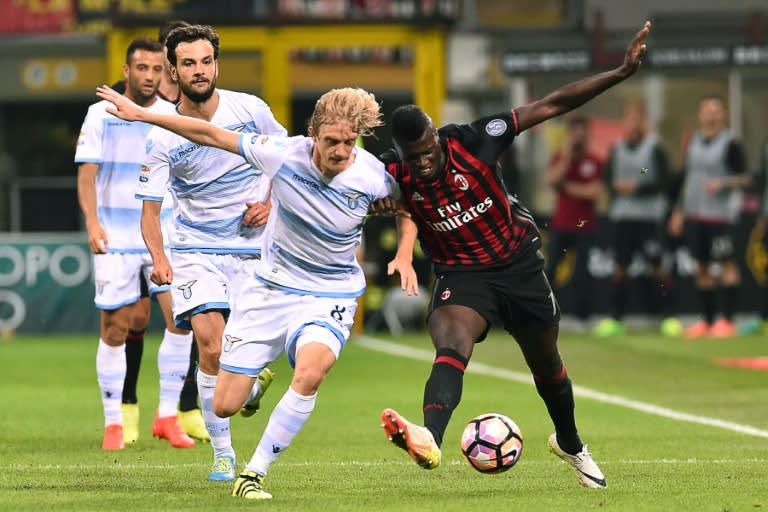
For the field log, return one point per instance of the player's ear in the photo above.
(311, 132)
(173, 72)
(125, 71)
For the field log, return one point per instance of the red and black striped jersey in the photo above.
(466, 217)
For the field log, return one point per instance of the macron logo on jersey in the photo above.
(306, 182)
(455, 217)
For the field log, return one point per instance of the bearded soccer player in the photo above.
(485, 251)
(221, 203)
(190, 416)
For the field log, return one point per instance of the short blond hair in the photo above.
(357, 106)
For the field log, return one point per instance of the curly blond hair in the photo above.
(357, 106)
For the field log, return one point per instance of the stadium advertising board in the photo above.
(46, 285)
(516, 62)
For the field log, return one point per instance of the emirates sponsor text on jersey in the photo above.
(455, 217)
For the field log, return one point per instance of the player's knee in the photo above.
(139, 321)
(224, 408)
(451, 335)
(209, 350)
(114, 334)
(543, 361)
(547, 368)
(307, 380)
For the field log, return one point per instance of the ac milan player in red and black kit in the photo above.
(485, 251)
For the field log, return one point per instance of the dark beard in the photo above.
(198, 97)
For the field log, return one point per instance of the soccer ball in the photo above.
(492, 443)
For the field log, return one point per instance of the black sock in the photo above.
(188, 397)
(619, 299)
(730, 297)
(442, 392)
(708, 302)
(557, 394)
(134, 348)
(665, 305)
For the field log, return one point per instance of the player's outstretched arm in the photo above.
(196, 130)
(407, 230)
(152, 233)
(577, 93)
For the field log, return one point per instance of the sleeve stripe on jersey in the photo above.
(88, 160)
(240, 145)
(514, 118)
(142, 197)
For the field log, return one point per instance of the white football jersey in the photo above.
(316, 223)
(118, 147)
(210, 186)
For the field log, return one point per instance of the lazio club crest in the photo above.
(186, 289)
(352, 199)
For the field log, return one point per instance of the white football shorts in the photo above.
(266, 322)
(116, 276)
(202, 282)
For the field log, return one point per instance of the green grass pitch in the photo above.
(51, 428)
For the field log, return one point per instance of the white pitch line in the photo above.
(110, 466)
(399, 350)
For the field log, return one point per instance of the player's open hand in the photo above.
(409, 282)
(636, 50)
(123, 108)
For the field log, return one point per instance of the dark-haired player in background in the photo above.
(109, 159)
(190, 415)
(485, 250)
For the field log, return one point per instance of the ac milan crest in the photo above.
(446, 294)
(461, 181)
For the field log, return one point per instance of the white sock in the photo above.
(172, 363)
(218, 428)
(287, 419)
(110, 372)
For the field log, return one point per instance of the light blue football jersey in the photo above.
(316, 223)
(210, 186)
(118, 147)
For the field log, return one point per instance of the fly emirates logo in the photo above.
(455, 217)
